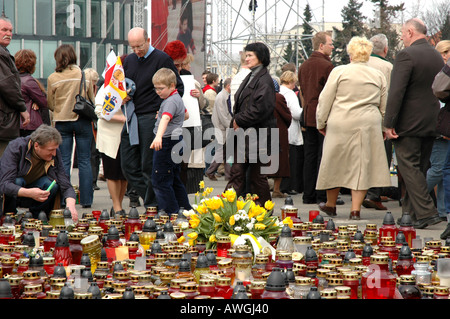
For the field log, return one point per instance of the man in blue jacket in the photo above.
(28, 167)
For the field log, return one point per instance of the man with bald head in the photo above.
(411, 118)
(136, 155)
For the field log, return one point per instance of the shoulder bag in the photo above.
(83, 106)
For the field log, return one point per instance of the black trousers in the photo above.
(413, 156)
(312, 146)
(375, 193)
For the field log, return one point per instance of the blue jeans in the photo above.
(167, 185)
(35, 207)
(82, 131)
(435, 173)
(446, 182)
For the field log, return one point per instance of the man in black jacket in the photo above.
(411, 118)
(11, 100)
(136, 155)
(28, 167)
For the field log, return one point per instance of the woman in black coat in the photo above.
(251, 124)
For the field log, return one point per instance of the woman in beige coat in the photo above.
(350, 115)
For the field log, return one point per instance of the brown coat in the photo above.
(412, 109)
(284, 118)
(312, 76)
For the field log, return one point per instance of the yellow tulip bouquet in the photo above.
(227, 215)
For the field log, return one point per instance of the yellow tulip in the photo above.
(269, 205)
(260, 217)
(194, 223)
(212, 238)
(288, 221)
(232, 221)
(260, 226)
(240, 204)
(202, 209)
(213, 203)
(201, 185)
(230, 195)
(217, 217)
(193, 235)
(191, 242)
(181, 240)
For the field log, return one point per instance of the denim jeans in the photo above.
(137, 160)
(446, 182)
(81, 130)
(35, 207)
(167, 185)
(435, 173)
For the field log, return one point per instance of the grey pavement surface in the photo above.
(102, 201)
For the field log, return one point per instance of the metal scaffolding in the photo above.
(231, 24)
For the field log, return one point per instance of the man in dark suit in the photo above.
(411, 118)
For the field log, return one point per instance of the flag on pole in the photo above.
(115, 87)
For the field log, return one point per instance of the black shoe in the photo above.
(340, 201)
(86, 206)
(425, 222)
(292, 192)
(446, 232)
(308, 201)
(95, 187)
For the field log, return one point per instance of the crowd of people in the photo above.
(317, 129)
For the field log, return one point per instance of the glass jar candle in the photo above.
(226, 266)
(378, 282)
(440, 292)
(259, 267)
(242, 262)
(388, 228)
(422, 273)
(351, 279)
(75, 246)
(284, 260)
(302, 287)
(388, 245)
(223, 245)
(50, 241)
(206, 287)
(132, 223)
(408, 288)
(14, 282)
(189, 289)
(257, 288)
(8, 263)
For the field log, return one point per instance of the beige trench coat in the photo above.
(351, 108)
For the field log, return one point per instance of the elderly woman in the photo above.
(350, 115)
(253, 113)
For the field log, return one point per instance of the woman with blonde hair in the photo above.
(293, 184)
(350, 116)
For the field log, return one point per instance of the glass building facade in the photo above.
(93, 27)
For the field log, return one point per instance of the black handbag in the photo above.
(83, 106)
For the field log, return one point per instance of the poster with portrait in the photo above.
(182, 20)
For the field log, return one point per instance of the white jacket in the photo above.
(294, 131)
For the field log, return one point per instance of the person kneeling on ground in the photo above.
(28, 167)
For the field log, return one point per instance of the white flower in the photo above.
(238, 228)
(249, 226)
